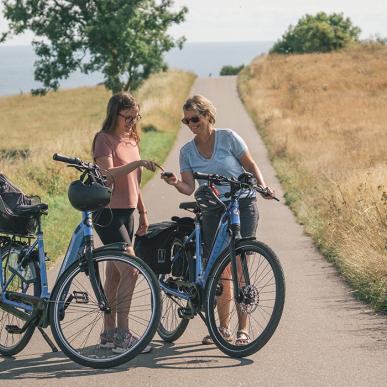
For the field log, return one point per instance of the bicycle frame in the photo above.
(230, 219)
(76, 246)
(82, 237)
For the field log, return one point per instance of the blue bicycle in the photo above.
(241, 288)
(94, 288)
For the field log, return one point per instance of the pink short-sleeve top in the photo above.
(121, 151)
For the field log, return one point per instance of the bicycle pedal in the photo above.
(185, 313)
(14, 329)
(81, 297)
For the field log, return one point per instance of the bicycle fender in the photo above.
(118, 246)
(245, 239)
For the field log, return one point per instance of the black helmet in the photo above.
(88, 197)
(207, 200)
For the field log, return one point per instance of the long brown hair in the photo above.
(118, 102)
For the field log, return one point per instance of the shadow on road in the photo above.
(164, 355)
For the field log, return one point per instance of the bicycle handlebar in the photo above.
(221, 180)
(66, 159)
(202, 176)
(92, 170)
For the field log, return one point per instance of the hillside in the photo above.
(323, 117)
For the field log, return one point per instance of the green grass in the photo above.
(59, 225)
(155, 146)
(33, 128)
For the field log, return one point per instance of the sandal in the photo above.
(243, 338)
(207, 340)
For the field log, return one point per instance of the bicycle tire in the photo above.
(61, 320)
(8, 347)
(268, 262)
(169, 331)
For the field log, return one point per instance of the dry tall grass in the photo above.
(33, 128)
(324, 118)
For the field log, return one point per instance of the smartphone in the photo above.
(166, 174)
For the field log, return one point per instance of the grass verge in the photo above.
(323, 117)
(33, 128)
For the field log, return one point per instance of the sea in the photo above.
(204, 59)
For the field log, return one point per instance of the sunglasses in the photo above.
(194, 120)
(129, 120)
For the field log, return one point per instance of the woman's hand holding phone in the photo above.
(169, 177)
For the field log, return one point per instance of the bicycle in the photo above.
(245, 268)
(81, 298)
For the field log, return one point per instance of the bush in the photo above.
(231, 70)
(319, 33)
(375, 40)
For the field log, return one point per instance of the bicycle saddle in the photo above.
(188, 205)
(34, 209)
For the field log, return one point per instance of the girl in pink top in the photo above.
(115, 148)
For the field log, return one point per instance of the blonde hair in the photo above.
(201, 105)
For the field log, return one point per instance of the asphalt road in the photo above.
(325, 337)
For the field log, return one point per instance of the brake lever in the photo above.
(77, 167)
(264, 193)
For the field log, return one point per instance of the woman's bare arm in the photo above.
(251, 166)
(186, 185)
(107, 163)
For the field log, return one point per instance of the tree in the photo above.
(319, 33)
(124, 39)
(230, 70)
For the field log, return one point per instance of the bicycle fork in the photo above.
(236, 280)
(91, 266)
(94, 277)
(245, 278)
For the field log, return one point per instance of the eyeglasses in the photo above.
(194, 120)
(129, 120)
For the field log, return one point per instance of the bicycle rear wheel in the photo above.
(172, 326)
(97, 339)
(248, 323)
(26, 282)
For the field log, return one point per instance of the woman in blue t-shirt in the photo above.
(220, 151)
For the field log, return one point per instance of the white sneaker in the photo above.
(125, 340)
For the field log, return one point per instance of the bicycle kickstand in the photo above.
(48, 340)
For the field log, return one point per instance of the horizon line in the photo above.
(187, 41)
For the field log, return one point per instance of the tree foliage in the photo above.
(124, 39)
(319, 33)
(230, 70)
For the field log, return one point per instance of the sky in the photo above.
(257, 20)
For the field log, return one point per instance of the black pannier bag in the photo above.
(11, 198)
(185, 226)
(154, 248)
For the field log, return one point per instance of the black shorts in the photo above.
(114, 225)
(248, 212)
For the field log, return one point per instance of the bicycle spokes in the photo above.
(89, 330)
(250, 317)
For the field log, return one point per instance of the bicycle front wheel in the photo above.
(99, 339)
(241, 326)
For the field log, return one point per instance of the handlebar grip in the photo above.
(201, 176)
(66, 159)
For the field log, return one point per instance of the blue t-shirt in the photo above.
(229, 147)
